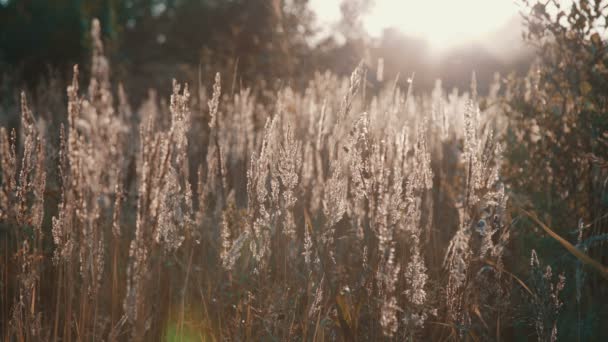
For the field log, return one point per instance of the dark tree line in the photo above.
(268, 34)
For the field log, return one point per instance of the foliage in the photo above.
(264, 35)
(558, 140)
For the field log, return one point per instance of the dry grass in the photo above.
(330, 214)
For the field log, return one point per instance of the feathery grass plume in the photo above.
(483, 209)
(8, 156)
(171, 215)
(9, 172)
(235, 250)
(215, 182)
(422, 159)
(258, 196)
(445, 124)
(494, 223)
(308, 172)
(163, 207)
(125, 111)
(38, 187)
(155, 157)
(201, 211)
(289, 164)
(215, 101)
(63, 230)
(99, 115)
(388, 273)
(358, 149)
(25, 195)
(232, 222)
(353, 89)
(175, 211)
(334, 203)
(90, 166)
(210, 195)
(116, 213)
(26, 321)
(438, 111)
(315, 307)
(470, 153)
(149, 112)
(379, 196)
(225, 241)
(180, 121)
(321, 125)
(238, 133)
(310, 256)
(388, 316)
(30, 142)
(456, 262)
(415, 274)
(418, 182)
(312, 175)
(100, 67)
(405, 215)
(545, 303)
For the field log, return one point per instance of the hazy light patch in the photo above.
(327, 11)
(327, 14)
(443, 23)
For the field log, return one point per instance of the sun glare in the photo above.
(443, 23)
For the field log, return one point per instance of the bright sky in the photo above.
(443, 23)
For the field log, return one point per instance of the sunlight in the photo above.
(444, 23)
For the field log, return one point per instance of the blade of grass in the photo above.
(573, 250)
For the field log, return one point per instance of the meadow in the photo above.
(334, 211)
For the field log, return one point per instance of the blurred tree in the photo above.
(349, 43)
(253, 31)
(38, 33)
(559, 112)
(351, 24)
(558, 136)
(266, 36)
